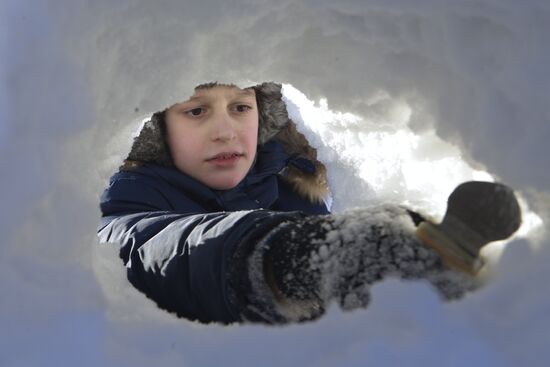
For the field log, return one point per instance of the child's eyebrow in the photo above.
(245, 93)
(192, 99)
(241, 93)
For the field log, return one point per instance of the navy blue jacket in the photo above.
(179, 238)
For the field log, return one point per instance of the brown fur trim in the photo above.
(312, 186)
(272, 111)
(129, 165)
(150, 144)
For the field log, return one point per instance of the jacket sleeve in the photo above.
(180, 260)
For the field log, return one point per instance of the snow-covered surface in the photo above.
(441, 91)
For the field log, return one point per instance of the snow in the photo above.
(380, 159)
(418, 95)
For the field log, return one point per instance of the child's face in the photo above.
(213, 135)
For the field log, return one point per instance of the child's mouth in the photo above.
(225, 159)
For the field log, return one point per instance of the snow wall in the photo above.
(416, 96)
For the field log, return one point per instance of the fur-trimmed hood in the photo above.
(150, 146)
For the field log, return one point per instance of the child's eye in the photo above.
(195, 112)
(242, 108)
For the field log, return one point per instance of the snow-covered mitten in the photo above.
(310, 261)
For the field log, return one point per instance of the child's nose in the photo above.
(224, 128)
